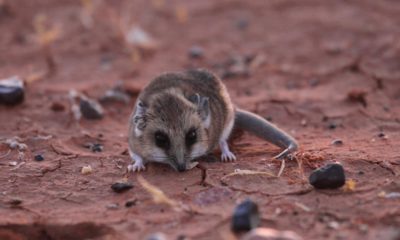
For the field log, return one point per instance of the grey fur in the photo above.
(174, 103)
(262, 128)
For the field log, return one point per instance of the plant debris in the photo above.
(329, 176)
(11, 91)
(349, 186)
(158, 195)
(245, 216)
(241, 172)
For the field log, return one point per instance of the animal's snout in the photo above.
(181, 167)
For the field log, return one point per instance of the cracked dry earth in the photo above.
(326, 70)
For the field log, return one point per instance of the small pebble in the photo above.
(57, 107)
(15, 202)
(39, 158)
(382, 135)
(86, 170)
(11, 91)
(333, 225)
(112, 206)
(245, 216)
(156, 236)
(115, 95)
(131, 203)
(242, 24)
(332, 126)
(13, 163)
(90, 108)
(94, 147)
(330, 176)
(337, 142)
(196, 52)
(392, 195)
(120, 187)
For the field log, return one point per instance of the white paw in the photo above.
(228, 156)
(136, 167)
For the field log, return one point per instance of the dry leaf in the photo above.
(349, 186)
(157, 194)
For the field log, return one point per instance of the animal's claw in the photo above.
(136, 167)
(228, 157)
(287, 153)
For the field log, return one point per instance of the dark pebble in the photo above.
(15, 202)
(91, 109)
(120, 187)
(130, 203)
(332, 126)
(242, 24)
(337, 142)
(381, 135)
(11, 91)
(181, 237)
(196, 52)
(329, 176)
(245, 217)
(39, 158)
(57, 107)
(314, 82)
(96, 147)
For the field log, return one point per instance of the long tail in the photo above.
(262, 128)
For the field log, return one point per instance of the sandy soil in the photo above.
(325, 70)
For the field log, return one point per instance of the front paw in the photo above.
(136, 167)
(228, 156)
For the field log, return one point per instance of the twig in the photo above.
(282, 168)
(5, 155)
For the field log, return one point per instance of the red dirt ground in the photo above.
(323, 63)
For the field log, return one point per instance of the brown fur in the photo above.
(169, 110)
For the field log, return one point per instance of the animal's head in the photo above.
(173, 129)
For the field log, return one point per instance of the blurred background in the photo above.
(325, 71)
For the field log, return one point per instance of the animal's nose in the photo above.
(181, 167)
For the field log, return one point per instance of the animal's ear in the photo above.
(203, 107)
(139, 117)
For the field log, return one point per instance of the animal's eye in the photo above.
(191, 137)
(161, 139)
